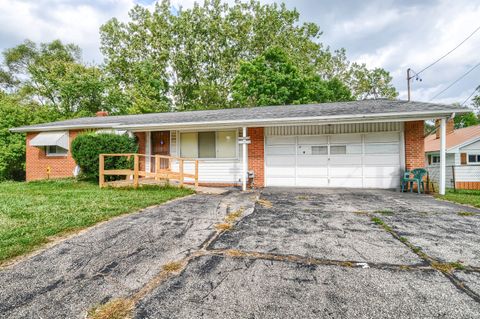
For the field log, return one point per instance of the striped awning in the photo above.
(51, 139)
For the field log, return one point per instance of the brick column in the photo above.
(414, 145)
(141, 138)
(256, 155)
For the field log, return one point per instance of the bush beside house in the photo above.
(87, 147)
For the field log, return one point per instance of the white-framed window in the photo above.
(435, 159)
(54, 150)
(473, 158)
(209, 144)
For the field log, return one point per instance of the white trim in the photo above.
(403, 159)
(468, 158)
(443, 157)
(48, 154)
(148, 151)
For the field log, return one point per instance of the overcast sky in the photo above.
(390, 34)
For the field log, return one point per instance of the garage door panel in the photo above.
(346, 182)
(312, 182)
(382, 137)
(312, 160)
(281, 150)
(382, 160)
(285, 171)
(313, 140)
(346, 139)
(312, 171)
(280, 161)
(281, 181)
(346, 171)
(345, 160)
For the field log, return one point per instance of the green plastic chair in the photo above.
(407, 181)
(418, 175)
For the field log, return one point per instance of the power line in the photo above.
(446, 54)
(468, 98)
(454, 82)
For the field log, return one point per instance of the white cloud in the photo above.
(391, 34)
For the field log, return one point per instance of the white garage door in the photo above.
(370, 160)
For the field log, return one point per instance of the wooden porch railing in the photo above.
(162, 165)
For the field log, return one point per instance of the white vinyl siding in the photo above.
(226, 168)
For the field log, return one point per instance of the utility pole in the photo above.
(411, 75)
(408, 83)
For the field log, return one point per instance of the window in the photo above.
(319, 150)
(222, 144)
(473, 158)
(338, 149)
(435, 159)
(54, 150)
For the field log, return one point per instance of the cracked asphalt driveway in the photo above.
(305, 253)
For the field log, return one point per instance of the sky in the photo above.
(391, 34)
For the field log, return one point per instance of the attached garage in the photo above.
(344, 159)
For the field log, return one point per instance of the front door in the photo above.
(160, 146)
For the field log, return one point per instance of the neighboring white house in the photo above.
(462, 156)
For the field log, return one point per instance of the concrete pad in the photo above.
(214, 287)
(111, 260)
(447, 237)
(470, 279)
(301, 225)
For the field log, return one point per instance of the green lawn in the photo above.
(469, 197)
(32, 212)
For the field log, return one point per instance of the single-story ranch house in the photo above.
(366, 144)
(462, 156)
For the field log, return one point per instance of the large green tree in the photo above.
(14, 113)
(52, 74)
(274, 79)
(192, 56)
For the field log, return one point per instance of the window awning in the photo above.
(51, 139)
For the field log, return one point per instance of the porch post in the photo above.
(245, 160)
(443, 137)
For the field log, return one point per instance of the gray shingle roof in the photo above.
(258, 115)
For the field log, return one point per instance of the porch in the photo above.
(163, 170)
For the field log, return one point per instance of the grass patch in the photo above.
(172, 266)
(466, 214)
(233, 216)
(384, 212)
(223, 226)
(468, 197)
(114, 309)
(265, 203)
(32, 213)
(381, 223)
(448, 267)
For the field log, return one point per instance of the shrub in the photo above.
(87, 147)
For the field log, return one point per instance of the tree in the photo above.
(53, 75)
(466, 120)
(193, 55)
(273, 79)
(14, 113)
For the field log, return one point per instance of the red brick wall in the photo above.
(37, 162)
(256, 155)
(414, 145)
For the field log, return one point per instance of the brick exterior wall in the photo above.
(414, 145)
(37, 162)
(256, 155)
